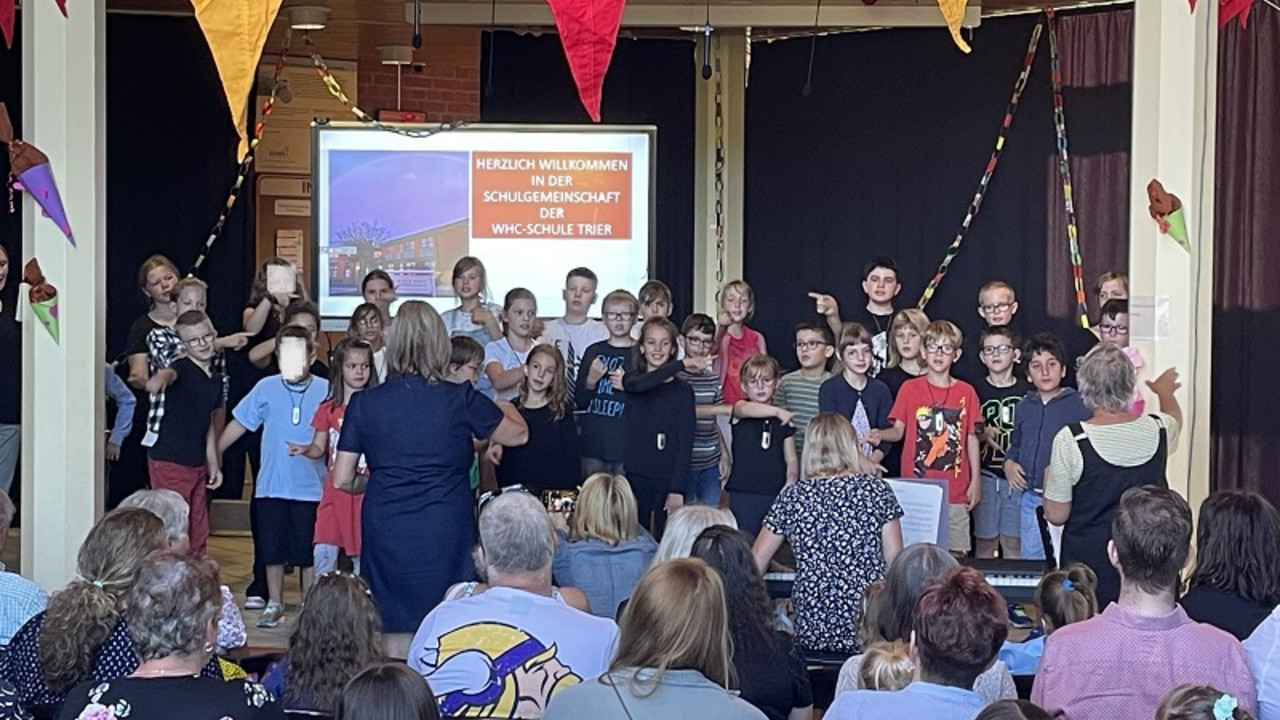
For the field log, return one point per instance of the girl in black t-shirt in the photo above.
(550, 459)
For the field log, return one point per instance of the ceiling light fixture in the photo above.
(307, 17)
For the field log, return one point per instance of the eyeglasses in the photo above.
(997, 350)
(619, 316)
(369, 322)
(201, 340)
(1113, 329)
(810, 344)
(697, 341)
(485, 497)
(996, 307)
(944, 349)
(760, 382)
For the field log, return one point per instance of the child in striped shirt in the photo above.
(697, 337)
(798, 391)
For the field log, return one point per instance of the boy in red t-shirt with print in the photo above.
(935, 417)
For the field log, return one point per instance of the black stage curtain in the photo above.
(650, 82)
(884, 156)
(1246, 259)
(170, 163)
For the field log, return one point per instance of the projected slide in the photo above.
(530, 203)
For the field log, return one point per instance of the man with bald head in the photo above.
(504, 651)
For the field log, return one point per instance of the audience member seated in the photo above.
(843, 527)
(886, 666)
(1120, 663)
(767, 666)
(890, 616)
(173, 618)
(1064, 597)
(1263, 651)
(1200, 702)
(602, 550)
(338, 634)
(83, 635)
(10, 708)
(387, 691)
(959, 624)
(673, 660)
(173, 511)
(1014, 710)
(1236, 582)
(507, 651)
(684, 526)
(20, 599)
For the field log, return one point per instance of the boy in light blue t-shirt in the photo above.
(288, 486)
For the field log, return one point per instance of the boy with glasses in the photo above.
(998, 516)
(1113, 327)
(184, 457)
(598, 394)
(941, 442)
(798, 390)
(697, 337)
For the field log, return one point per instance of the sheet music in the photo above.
(924, 508)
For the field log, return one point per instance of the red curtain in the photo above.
(1246, 291)
(1095, 53)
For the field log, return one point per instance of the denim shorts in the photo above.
(999, 511)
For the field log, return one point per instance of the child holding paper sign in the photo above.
(843, 525)
(288, 487)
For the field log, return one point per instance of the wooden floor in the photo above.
(234, 554)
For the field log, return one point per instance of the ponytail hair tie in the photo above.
(1224, 708)
(1067, 585)
(97, 584)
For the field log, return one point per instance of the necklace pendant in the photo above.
(766, 439)
(297, 415)
(662, 441)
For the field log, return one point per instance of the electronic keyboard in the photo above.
(1015, 580)
(779, 584)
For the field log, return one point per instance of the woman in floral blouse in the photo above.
(843, 526)
(172, 611)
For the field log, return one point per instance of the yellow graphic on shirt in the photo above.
(511, 674)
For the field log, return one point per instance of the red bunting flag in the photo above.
(588, 31)
(7, 8)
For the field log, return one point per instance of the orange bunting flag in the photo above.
(236, 31)
(953, 13)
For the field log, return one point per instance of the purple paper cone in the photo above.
(47, 313)
(38, 182)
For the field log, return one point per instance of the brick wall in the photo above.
(447, 88)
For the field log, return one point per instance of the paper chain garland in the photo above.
(335, 89)
(247, 163)
(976, 205)
(1064, 171)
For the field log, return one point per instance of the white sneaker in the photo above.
(271, 616)
(253, 602)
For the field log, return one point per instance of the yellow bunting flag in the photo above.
(953, 13)
(236, 31)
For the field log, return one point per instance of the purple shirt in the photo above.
(1121, 665)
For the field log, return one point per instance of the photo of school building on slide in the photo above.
(406, 213)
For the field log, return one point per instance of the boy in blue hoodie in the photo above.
(1038, 418)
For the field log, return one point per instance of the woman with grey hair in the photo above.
(172, 610)
(173, 511)
(1093, 463)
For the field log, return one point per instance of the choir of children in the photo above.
(685, 413)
